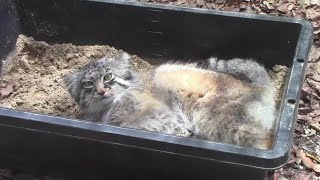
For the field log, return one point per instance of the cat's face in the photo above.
(101, 83)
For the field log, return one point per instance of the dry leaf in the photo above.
(181, 2)
(3, 85)
(283, 8)
(283, 178)
(315, 126)
(304, 118)
(200, 2)
(316, 16)
(315, 77)
(268, 5)
(306, 161)
(313, 15)
(290, 7)
(315, 54)
(300, 14)
(315, 2)
(313, 156)
(304, 2)
(316, 112)
(316, 31)
(302, 176)
(6, 91)
(220, 1)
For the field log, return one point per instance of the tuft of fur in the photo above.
(228, 101)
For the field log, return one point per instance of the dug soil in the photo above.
(35, 72)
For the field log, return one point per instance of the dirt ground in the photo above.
(35, 72)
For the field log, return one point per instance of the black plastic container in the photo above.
(62, 147)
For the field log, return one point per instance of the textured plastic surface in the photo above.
(58, 146)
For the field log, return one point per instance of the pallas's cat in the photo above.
(227, 101)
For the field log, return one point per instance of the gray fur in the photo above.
(124, 107)
(241, 113)
(245, 69)
(90, 103)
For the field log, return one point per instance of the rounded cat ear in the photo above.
(71, 81)
(123, 56)
(102, 60)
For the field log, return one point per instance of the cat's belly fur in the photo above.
(192, 81)
(151, 114)
(196, 86)
(218, 106)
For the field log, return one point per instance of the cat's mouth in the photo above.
(107, 93)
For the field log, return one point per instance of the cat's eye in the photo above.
(87, 84)
(108, 77)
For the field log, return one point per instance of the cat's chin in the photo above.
(107, 100)
(99, 106)
(105, 96)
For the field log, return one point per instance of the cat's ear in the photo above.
(72, 83)
(123, 58)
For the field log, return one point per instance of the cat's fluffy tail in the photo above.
(244, 69)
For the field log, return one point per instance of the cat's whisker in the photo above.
(92, 100)
(138, 88)
(86, 104)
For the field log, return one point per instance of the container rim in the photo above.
(264, 159)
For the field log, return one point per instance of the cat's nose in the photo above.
(100, 87)
(104, 91)
(101, 91)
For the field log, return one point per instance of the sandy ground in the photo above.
(36, 69)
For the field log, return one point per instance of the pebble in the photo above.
(23, 62)
(69, 56)
(19, 102)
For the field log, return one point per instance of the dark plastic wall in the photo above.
(62, 147)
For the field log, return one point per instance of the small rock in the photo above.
(88, 55)
(23, 63)
(69, 56)
(19, 102)
(5, 92)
